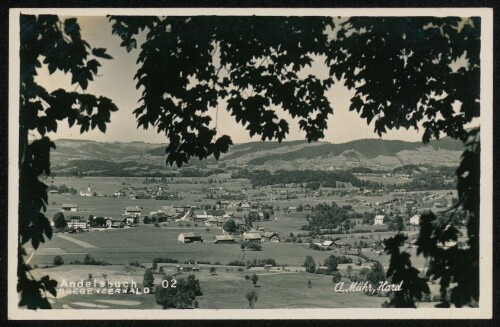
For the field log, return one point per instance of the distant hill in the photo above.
(135, 157)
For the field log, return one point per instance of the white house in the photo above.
(77, 222)
(415, 220)
(379, 220)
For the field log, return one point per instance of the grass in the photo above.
(224, 290)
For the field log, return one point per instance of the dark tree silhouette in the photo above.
(149, 279)
(59, 220)
(309, 264)
(61, 47)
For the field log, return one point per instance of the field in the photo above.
(143, 243)
(223, 290)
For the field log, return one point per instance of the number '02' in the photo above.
(166, 284)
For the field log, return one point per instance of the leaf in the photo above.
(101, 53)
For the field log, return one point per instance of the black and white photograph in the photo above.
(205, 163)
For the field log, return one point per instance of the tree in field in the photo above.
(60, 46)
(58, 260)
(349, 271)
(212, 270)
(59, 220)
(194, 285)
(331, 264)
(165, 296)
(336, 277)
(254, 279)
(252, 298)
(309, 264)
(267, 216)
(376, 274)
(230, 226)
(149, 279)
(99, 222)
(180, 297)
(146, 220)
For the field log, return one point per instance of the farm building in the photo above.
(271, 237)
(212, 222)
(292, 209)
(221, 239)
(77, 222)
(252, 237)
(67, 207)
(327, 243)
(415, 220)
(342, 245)
(202, 218)
(133, 211)
(379, 220)
(189, 237)
(216, 213)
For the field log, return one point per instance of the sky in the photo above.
(115, 80)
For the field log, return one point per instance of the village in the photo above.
(238, 218)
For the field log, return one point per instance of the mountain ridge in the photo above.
(81, 155)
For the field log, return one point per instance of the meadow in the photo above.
(223, 290)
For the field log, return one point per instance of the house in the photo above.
(212, 222)
(379, 220)
(53, 192)
(223, 239)
(342, 245)
(216, 213)
(134, 211)
(202, 218)
(77, 222)
(245, 204)
(271, 237)
(415, 220)
(68, 207)
(189, 237)
(252, 237)
(118, 194)
(132, 215)
(292, 209)
(327, 243)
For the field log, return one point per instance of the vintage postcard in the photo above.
(250, 163)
